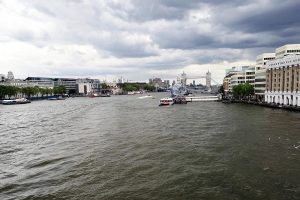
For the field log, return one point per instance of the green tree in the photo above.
(150, 88)
(248, 90)
(221, 89)
(243, 90)
(36, 90)
(49, 91)
(43, 91)
(28, 91)
(11, 91)
(236, 91)
(103, 86)
(129, 87)
(2, 91)
(59, 90)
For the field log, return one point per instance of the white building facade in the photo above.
(288, 49)
(260, 74)
(238, 75)
(282, 81)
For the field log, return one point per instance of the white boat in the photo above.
(9, 102)
(15, 101)
(166, 101)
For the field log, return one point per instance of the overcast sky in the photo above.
(140, 39)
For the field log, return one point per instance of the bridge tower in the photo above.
(183, 79)
(208, 80)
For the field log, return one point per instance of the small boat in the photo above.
(15, 101)
(105, 95)
(9, 102)
(57, 98)
(166, 101)
(61, 98)
(23, 101)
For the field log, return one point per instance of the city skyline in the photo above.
(140, 39)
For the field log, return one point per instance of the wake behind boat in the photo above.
(145, 97)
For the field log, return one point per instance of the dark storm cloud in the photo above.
(274, 17)
(171, 9)
(156, 9)
(238, 25)
(226, 18)
(184, 40)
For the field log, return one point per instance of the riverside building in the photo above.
(260, 74)
(238, 75)
(68, 83)
(282, 79)
(288, 49)
(41, 82)
(87, 86)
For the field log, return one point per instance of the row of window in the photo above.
(260, 85)
(270, 58)
(285, 62)
(260, 80)
(259, 91)
(293, 51)
(287, 79)
(287, 85)
(288, 73)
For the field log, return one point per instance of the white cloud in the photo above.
(137, 39)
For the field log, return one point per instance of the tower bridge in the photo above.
(183, 79)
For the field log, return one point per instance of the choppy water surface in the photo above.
(128, 148)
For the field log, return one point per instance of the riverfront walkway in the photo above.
(264, 104)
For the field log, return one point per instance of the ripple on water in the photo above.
(43, 163)
(126, 148)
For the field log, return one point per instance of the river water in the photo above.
(123, 147)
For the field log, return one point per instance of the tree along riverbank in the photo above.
(32, 93)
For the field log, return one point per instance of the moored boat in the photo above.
(15, 101)
(9, 102)
(167, 101)
(57, 98)
(180, 99)
(105, 95)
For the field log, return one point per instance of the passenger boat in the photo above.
(167, 101)
(15, 101)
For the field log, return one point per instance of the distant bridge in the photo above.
(207, 77)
